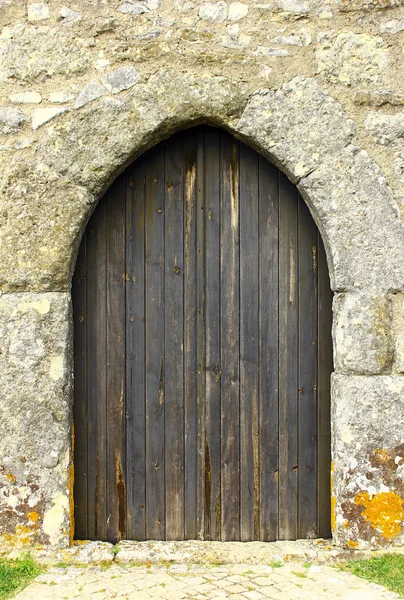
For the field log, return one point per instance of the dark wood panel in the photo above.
(325, 366)
(212, 337)
(135, 352)
(79, 298)
(116, 327)
(200, 335)
(288, 360)
(268, 363)
(203, 359)
(307, 390)
(174, 347)
(96, 373)
(190, 344)
(155, 368)
(249, 346)
(230, 342)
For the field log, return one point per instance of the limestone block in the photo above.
(121, 79)
(265, 51)
(352, 59)
(368, 460)
(35, 363)
(11, 119)
(25, 98)
(392, 27)
(40, 116)
(362, 333)
(353, 5)
(399, 160)
(38, 12)
(398, 330)
(237, 10)
(294, 6)
(131, 7)
(385, 128)
(298, 111)
(378, 98)
(288, 40)
(69, 16)
(365, 242)
(36, 54)
(91, 91)
(215, 12)
(60, 97)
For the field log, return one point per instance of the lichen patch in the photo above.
(384, 512)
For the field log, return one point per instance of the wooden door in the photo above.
(202, 336)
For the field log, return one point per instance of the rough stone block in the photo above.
(368, 460)
(11, 119)
(215, 12)
(121, 79)
(352, 59)
(131, 7)
(365, 242)
(35, 364)
(385, 129)
(362, 333)
(392, 27)
(38, 12)
(69, 17)
(294, 6)
(40, 116)
(277, 118)
(368, 5)
(398, 330)
(91, 91)
(26, 98)
(237, 10)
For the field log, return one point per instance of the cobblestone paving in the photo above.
(293, 581)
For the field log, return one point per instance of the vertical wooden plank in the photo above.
(325, 367)
(288, 359)
(307, 386)
(174, 338)
(200, 335)
(268, 326)
(190, 319)
(79, 300)
(154, 283)
(230, 333)
(135, 352)
(116, 410)
(96, 373)
(249, 346)
(212, 363)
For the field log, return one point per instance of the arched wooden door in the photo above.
(202, 336)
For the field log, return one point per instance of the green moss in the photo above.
(387, 570)
(16, 575)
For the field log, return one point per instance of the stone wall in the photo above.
(316, 86)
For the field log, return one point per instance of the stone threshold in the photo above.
(196, 552)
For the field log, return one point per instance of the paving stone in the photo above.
(174, 583)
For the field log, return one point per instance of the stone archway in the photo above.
(50, 197)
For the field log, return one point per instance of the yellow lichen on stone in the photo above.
(353, 544)
(333, 500)
(10, 477)
(33, 516)
(384, 512)
(382, 454)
